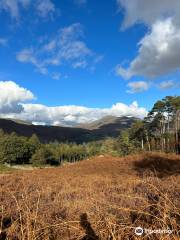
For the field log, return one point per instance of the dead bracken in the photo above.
(103, 198)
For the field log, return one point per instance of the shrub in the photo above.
(14, 149)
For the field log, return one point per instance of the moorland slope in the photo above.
(100, 198)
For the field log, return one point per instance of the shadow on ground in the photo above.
(5, 223)
(86, 225)
(161, 166)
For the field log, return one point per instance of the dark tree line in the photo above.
(22, 150)
(160, 130)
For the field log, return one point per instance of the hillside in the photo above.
(45, 133)
(106, 127)
(100, 198)
(109, 121)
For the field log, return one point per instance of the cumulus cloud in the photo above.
(11, 97)
(148, 12)
(158, 53)
(139, 86)
(67, 47)
(72, 115)
(13, 7)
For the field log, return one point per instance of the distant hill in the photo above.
(45, 133)
(109, 121)
(106, 127)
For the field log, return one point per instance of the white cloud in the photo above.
(75, 50)
(66, 47)
(158, 53)
(3, 41)
(80, 64)
(149, 11)
(70, 115)
(167, 84)
(11, 96)
(45, 7)
(39, 123)
(13, 7)
(139, 86)
(50, 46)
(29, 56)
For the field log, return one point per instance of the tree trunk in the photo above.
(168, 135)
(142, 144)
(149, 145)
(177, 132)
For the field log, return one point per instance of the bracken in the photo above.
(102, 198)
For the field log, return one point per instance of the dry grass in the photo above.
(101, 198)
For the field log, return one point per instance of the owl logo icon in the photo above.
(139, 231)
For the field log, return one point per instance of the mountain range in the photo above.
(108, 126)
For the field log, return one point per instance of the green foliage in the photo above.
(137, 131)
(34, 144)
(14, 149)
(71, 152)
(109, 146)
(21, 150)
(42, 156)
(93, 148)
(163, 124)
(124, 145)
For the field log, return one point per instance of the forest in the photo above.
(159, 131)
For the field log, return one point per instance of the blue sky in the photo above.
(105, 56)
